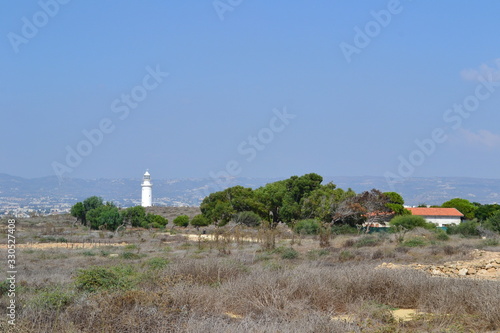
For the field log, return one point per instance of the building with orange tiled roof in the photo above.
(441, 216)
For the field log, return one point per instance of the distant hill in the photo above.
(190, 192)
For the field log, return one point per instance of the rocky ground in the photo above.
(484, 265)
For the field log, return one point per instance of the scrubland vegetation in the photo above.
(243, 279)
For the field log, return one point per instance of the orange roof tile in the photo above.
(424, 211)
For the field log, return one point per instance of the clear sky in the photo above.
(254, 88)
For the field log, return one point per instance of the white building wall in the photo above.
(442, 220)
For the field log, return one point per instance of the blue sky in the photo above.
(254, 88)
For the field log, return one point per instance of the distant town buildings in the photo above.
(147, 190)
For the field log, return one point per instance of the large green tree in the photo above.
(463, 205)
(322, 202)
(396, 203)
(80, 209)
(220, 207)
(106, 216)
(483, 212)
(134, 215)
(283, 199)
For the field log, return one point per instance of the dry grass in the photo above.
(241, 286)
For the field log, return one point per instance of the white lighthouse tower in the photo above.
(147, 190)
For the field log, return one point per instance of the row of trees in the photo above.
(96, 214)
(299, 198)
(290, 200)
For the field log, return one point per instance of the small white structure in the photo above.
(442, 217)
(147, 190)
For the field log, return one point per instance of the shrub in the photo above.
(96, 278)
(414, 242)
(346, 255)
(130, 247)
(410, 222)
(200, 221)
(157, 263)
(130, 255)
(344, 229)
(134, 215)
(156, 225)
(157, 220)
(181, 221)
(289, 253)
(490, 242)
(4, 287)
(466, 229)
(367, 241)
(247, 218)
(493, 223)
(308, 227)
(442, 235)
(52, 300)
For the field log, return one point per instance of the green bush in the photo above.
(4, 287)
(97, 278)
(367, 241)
(181, 221)
(289, 253)
(200, 221)
(308, 227)
(250, 219)
(158, 220)
(130, 255)
(52, 300)
(346, 255)
(414, 242)
(493, 223)
(490, 242)
(344, 229)
(442, 235)
(157, 263)
(466, 229)
(410, 222)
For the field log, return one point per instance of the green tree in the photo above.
(483, 212)
(200, 221)
(156, 221)
(322, 202)
(181, 221)
(78, 211)
(220, 207)
(493, 222)
(410, 222)
(308, 227)
(396, 203)
(247, 218)
(463, 205)
(106, 216)
(134, 215)
(92, 203)
(283, 199)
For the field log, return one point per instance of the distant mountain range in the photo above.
(190, 192)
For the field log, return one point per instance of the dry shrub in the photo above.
(305, 323)
(209, 271)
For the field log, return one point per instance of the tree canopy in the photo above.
(463, 205)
